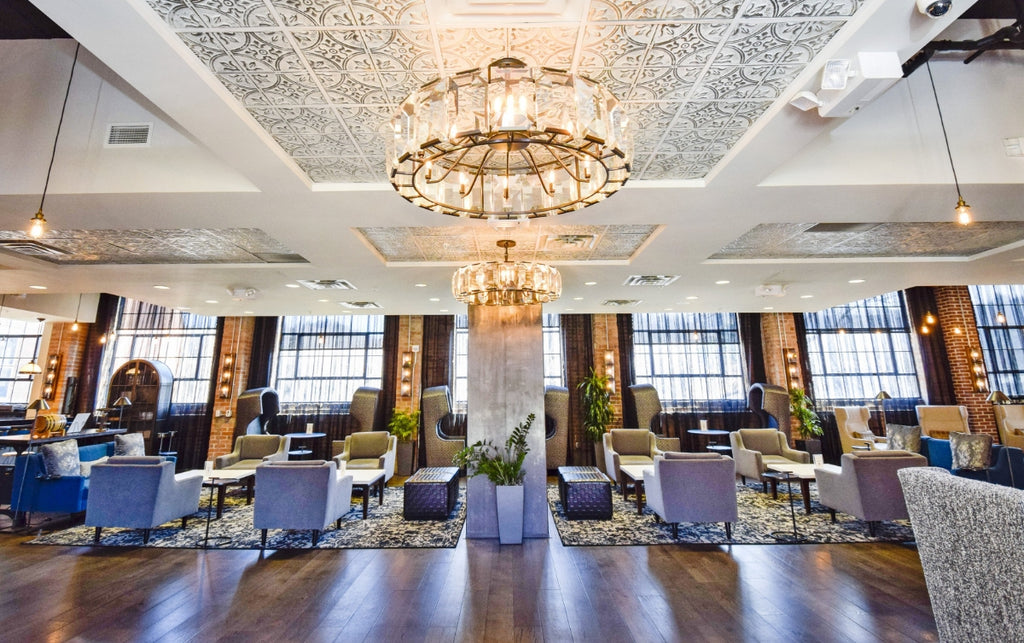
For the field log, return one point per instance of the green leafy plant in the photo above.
(597, 405)
(502, 465)
(403, 425)
(800, 406)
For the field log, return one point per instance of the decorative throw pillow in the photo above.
(900, 437)
(61, 458)
(87, 465)
(130, 444)
(971, 451)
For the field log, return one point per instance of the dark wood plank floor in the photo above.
(478, 591)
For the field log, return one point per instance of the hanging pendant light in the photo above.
(506, 283)
(37, 227)
(963, 211)
(74, 326)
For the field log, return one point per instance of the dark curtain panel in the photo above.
(752, 346)
(624, 322)
(264, 337)
(436, 356)
(801, 344)
(389, 389)
(106, 312)
(934, 360)
(191, 426)
(578, 348)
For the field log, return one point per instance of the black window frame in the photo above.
(1002, 343)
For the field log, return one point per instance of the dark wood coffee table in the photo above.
(221, 479)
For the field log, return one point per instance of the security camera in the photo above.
(934, 8)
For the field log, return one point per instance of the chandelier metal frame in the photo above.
(515, 143)
(506, 283)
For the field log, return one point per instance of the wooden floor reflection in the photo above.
(478, 591)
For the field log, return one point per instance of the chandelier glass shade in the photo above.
(509, 142)
(506, 283)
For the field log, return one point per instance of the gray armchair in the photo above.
(304, 494)
(140, 492)
(754, 449)
(369, 450)
(1010, 422)
(556, 412)
(251, 450)
(436, 405)
(866, 485)
(363, 411)
(692, 487)
(628, 446)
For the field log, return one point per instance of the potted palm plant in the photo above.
(403, 426)
(597, 411)
(808, 422)
(504, 467)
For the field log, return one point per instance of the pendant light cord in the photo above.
(942, 123)
(53, 153)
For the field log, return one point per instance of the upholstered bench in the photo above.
(431, 493)
(585, 493)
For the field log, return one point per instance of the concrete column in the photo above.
(506, 383)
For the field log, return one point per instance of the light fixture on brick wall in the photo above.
(227, 374)
(407, 362)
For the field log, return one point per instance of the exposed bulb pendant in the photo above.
(963, 211)
(38, 224)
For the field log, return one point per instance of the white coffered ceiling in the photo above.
(266, 120)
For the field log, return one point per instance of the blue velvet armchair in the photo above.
(34, 491)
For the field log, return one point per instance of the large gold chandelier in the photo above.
(509, 143)
(506, 283)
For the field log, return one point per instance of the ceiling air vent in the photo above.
(327, 284)
(650, 280)
(360, 305)
(34, 248)
(621, 303)
(569, 241)
(128, 135)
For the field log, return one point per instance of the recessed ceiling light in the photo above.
(722, 282)
(443, 310)
(323, 301)
(692, 297)
(184, 308)
(212, 301)
(247, 312)
(769, 308)
(291, 286)
(161, 287)
(577, 298)
(856, 281)
(38, 287)
(668, 310)
(569, 310)
(806, 296)
(420, 285)
(435, 299)
(589, 283)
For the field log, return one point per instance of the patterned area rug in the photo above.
(759, 518)
(384, 528)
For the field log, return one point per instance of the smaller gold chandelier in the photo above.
(506, 283)
(510, 143)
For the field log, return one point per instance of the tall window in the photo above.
(861, 348)
(1002, 337)
(692, 359)
(554, 371)
(181, 340)
(323, 360)
(19, 343)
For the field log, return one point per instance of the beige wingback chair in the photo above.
(866, 486)
(251, 450)
(628, 446)
(1010, 421)
(692, 487)
(556, 411)
(754, 449)
(852, 422)
(939, 421)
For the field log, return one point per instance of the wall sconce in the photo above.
(792, 368)
(609, 370)
(978, 372)
(227, 373)
(927, 322)
(406, 388)
(50, 383)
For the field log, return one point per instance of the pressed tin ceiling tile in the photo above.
(687, 70)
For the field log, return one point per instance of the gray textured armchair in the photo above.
(556, 412)
(648, 406)
(370, 450)
(628, 446)
(692, 487)
(866, 485)
(754, 449)
(251, 450)
(140, 492)
(436, 405)
(304, 494)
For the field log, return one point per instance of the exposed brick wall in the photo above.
(778, 338)
(960, 334)
(237, 339)
(70, 346)
(606, 338)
